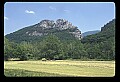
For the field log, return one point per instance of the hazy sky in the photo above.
(86, 16)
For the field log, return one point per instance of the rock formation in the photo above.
(59, 24)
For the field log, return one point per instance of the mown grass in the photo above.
(60, 68)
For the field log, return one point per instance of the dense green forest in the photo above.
(99, 46)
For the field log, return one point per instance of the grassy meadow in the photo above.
(59, 68)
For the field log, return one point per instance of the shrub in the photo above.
(44, 59)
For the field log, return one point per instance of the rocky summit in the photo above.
(62, 28)
(59, 24)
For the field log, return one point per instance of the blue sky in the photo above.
(87, 16)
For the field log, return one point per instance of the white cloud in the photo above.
(6, 18)
(67, 11)
(30, 12)
(52, 8)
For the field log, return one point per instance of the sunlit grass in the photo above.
(66, 67)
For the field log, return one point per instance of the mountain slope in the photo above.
(90, 33)
(61, 28)
(60, 40)
(107, 32)
(101, 45)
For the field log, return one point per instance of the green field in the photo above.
(59, 68)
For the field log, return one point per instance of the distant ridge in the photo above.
(90, 33)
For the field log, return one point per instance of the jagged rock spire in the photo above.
(59, 24)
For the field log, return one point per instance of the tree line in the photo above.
(51, 47)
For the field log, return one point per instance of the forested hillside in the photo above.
(101, 44)
(65, 43)
(107, 32)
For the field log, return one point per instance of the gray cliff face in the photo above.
(47, 24)
(62, 24)
(59, 24)
(77, 34)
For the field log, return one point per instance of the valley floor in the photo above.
(59, 68)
